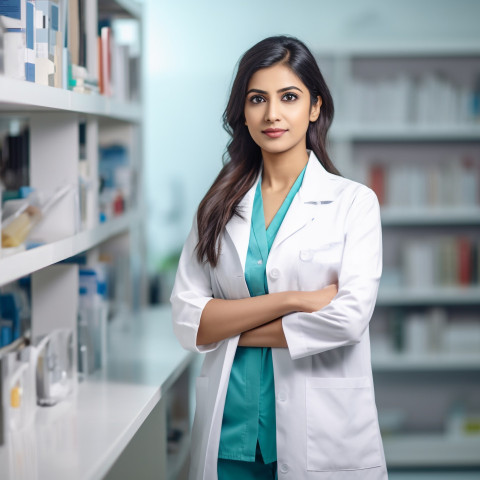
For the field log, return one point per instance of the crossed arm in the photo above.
(258, 319)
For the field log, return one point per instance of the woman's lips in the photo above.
(274, 132)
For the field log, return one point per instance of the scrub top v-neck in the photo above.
(249, 413)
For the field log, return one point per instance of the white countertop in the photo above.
(82, 437)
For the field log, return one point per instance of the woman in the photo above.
(276, 285)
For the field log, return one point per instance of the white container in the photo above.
(18, 390)
(55, 367)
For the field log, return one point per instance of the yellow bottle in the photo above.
(15, 396)
(15, 233)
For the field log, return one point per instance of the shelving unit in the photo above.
(117, 418)
(357, 145)
(17, 96)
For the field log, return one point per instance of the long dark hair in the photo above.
(243, 157)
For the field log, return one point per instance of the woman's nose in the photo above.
(272, 112)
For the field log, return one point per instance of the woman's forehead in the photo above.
(274, 78)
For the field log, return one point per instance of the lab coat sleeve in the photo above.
(344, 320)
(191, 292)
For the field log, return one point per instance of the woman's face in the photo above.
(278, 111)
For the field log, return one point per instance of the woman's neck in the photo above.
(280, 170)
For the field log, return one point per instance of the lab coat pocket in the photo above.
(318, 265)
(342, 424)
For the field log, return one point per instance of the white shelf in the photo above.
(405, 48)
(430, 216)
(388, 296)
(22, 96)
(82, 438)
(18, 265)
(422, 450)
(410, 132)
(424, 362)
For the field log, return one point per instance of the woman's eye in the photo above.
(290, 97)
(257, 99)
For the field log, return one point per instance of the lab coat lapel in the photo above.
(238, 228)
(318, 188)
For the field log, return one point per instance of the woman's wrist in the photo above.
(269, 335)
(290, 302)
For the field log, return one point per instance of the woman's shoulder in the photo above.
(348, 187)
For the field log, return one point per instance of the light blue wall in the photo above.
(190, 54)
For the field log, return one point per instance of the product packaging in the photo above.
(26, 214)
(55, 366)
(92, 320)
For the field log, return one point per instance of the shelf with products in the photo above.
(117, 413)
(403, 91)
(74, 47)
(51, 153)
(437, 181)
(407, 124)
(429, 265)
(17, 96)
(83, 264)
(427, 337)
(428, 414)
(16, 266)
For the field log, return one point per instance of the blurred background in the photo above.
(405, 77)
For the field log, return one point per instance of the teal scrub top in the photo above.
(249, 413)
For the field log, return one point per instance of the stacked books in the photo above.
(405, 184)
(430, 99)
(445, 260)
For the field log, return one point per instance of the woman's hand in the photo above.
(313, 301)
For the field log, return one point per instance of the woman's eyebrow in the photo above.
(263, 92)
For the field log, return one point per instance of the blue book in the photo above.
(13, 18)
(30, 43)
(11, 9)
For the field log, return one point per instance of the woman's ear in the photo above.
(315, 110)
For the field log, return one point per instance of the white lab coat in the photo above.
(327, 425)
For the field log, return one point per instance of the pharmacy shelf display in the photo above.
(407, 124)
(71, 167)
